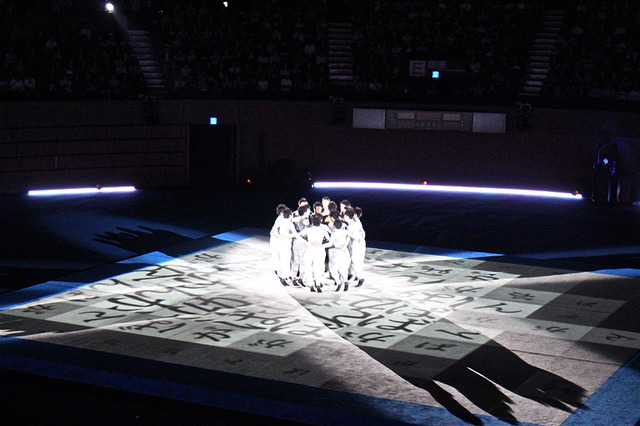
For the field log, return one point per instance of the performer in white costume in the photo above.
(273, 237)
(300, 221)
(358, 244)
(315, 253)
(339, 259)
(285, 233)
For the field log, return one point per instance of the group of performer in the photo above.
(319, 244)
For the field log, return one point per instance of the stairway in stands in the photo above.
(340, 61)
(142, 48)
(537, 69)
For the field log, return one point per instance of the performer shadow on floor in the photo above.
(142, 240)
(476, 375)
(398, 321)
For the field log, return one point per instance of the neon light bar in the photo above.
(444, 188)
(73, 191)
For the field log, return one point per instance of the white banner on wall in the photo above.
(476, 122)
(489, 122)
(368, 118)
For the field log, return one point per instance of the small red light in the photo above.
(424, 183)
(249, 181)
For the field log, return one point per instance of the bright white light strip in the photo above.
(444, 188)
(69, 191)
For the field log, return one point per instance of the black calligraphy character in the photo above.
(207, 256)
(275, 343)
(154, 326)
(425, 315)
(111, 283)
(394, 265)
(402, 325)
(375, 303)
(430, 346)
(480, 276)
(434, 296)
(370, 320)
(224, 301)
(419, 280)
(369, 337)
(430, 270)
(278, 323)
(464, 301)
(310, 330)
(39, 309)
(461, 334)
(202, 280)
(516, 295)
(135, 303)
(144, 294)
(208, 305)
(615, 337)
(246, 315)
(155, 273)
(100, 316)
(214, 334)
(337, 322)
(464, 289)
(498, 308)
(553, 329)
(398, 308)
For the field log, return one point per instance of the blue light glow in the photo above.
(435, 75)
(445, 188)
(213, 121)
(74, 191)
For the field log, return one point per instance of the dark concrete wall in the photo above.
(53, 145)
(46, 144)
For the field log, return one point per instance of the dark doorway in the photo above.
(212, 155)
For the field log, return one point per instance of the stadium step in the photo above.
(539, 61)
(142, 47)
(536, 77)
(340, 55)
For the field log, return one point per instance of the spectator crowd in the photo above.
(597, 56)
(64, 50)
(280, 49)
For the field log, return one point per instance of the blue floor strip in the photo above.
(617, 401)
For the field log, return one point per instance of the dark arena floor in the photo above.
(160, 307)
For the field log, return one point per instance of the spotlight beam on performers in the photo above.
(446, 188)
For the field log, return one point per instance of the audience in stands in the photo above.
(279, 49)
(597, 57)
(65, 50)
